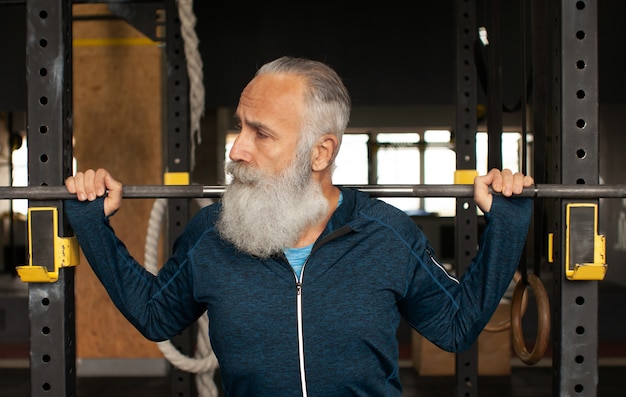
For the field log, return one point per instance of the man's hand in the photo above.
(504, 182)
(90, 184)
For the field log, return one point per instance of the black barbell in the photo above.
(572, 191)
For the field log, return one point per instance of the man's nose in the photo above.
(240, 149)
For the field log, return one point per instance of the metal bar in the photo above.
(537, 191)
(198, 191)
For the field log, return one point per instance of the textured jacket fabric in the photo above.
(331, 333)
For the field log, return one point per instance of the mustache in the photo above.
(243, 173)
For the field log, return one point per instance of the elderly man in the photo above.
(304, 282)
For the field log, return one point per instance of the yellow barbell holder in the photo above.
(65, 251)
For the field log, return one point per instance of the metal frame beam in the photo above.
(466, 220)
(177, 160)
(49, 131)
(575, 307)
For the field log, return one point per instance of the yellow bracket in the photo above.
(550, 247)
(465, 177)
(176, 178)
(581, 267)
(65, 251)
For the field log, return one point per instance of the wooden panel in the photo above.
(118, 126)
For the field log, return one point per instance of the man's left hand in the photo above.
(505, 182)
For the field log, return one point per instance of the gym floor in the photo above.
(524, 382)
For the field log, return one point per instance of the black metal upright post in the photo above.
(541, 117)
(49, 132)
(494, 84)
(576, 129)
(177, 160)
(465, 138)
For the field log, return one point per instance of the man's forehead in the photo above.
(273, 87)
(273, 95)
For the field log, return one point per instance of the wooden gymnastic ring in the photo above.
(506, 324)
(543, 317)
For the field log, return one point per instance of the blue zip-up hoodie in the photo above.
(331, 333)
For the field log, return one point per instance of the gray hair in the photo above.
(328, 103)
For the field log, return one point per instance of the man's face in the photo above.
(273, 197)
(270, 118)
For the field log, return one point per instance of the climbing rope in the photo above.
(194, 71)
(204, 362)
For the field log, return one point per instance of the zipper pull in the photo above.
(298, 288)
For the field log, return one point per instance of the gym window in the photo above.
(370, 157)
(17, 176)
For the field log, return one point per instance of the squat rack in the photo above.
(573, 119)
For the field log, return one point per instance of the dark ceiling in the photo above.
(391, 55)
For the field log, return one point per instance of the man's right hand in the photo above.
(90, 184)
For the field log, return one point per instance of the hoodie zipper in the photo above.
(300, 333)
(337, 233)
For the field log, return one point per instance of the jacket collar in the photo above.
(346, 214)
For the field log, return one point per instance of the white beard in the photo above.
(263, 214)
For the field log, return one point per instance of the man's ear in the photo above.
(324, 152)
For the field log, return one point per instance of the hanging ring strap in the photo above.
(505, 324)
(543, 317)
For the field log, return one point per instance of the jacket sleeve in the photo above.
(452, 313)
(158, 306)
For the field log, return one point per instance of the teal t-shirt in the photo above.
(297, 257)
